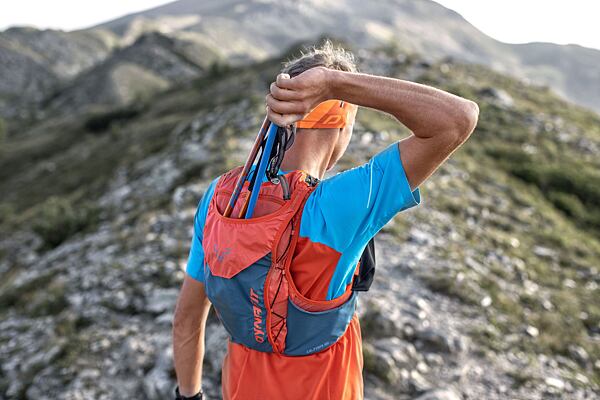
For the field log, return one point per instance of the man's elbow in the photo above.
(467, 115)
(189, 320)
(185, 319)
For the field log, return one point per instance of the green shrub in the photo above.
(568, 186)
(2, 131)
(572, 187)
(20, 296)
(6, 212)
(57, 219)
(218, 69)
(568, 203)
(102, 121)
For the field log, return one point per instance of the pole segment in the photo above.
(262, 167)
(244, 174)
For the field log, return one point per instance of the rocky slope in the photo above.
(486, 290)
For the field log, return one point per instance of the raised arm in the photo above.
(440, 121)
(188, 335)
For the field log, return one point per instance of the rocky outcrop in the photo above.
(151, 64)
(35, 62)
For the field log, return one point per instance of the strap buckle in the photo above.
(311, 180)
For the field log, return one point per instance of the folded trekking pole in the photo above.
(262, 168)
(272, 141)
(249, 161)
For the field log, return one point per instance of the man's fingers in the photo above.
(284, 107)
(283, 94)
(285, 82)
(284, 103)
(283, 119)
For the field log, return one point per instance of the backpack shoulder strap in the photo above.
(277, 288)
(366, 270)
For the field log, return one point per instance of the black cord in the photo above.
(283, 141)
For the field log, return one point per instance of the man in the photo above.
(339, 218)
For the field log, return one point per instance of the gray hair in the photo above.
(326, 55)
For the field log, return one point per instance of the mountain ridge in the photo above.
(240, 32)
(485, 48)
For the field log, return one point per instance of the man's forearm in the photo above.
(189, 325)
(440, 121)
(188, 355)
(424, 110)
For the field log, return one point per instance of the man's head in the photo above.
(327, 55)
(333, 140)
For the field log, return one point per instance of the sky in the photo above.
(520, 21)
(512, 21)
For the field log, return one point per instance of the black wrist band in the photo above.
(178, 396)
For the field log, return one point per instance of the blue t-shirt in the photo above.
(344, 212)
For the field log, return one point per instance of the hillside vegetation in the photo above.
(488, 289)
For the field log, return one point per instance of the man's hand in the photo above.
(291, 99)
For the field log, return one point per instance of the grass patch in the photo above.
(18, 297)
(100, 122)
(57, 219)
(2, 132)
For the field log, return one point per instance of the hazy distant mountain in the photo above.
(82, 67)
(263, 27)
(572, 70)
(152, 63)
(34, 61)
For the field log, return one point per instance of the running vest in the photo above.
(247, 271)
